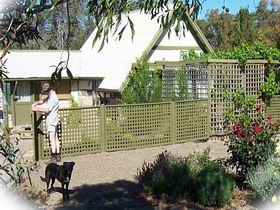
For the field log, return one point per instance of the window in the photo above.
(87, 87)
(23, 91)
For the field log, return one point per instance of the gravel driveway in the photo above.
(107, 180)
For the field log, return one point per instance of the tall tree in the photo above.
(52, 26)
(225, 31)
(245, 28)
(268, 22)
(218, 29)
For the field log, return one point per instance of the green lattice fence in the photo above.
(137, 126)
(228, 76)
(122, 127)
(79, 130)
(192, 122)
(210, 79)
(111, 128)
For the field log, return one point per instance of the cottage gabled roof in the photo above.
(114, 61)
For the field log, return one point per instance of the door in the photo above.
(22, 104)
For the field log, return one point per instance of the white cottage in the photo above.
(97, 75)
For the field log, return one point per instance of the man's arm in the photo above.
(38, 103)
(40, 108)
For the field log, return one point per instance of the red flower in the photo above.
(236, 129)
(258, 107)
(269, 117)
(257, 128)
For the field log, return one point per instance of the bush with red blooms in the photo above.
(251, 133)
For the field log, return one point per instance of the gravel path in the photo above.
(107, 180)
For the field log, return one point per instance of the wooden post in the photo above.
(35, 137)
(173, 125)
(103, 141)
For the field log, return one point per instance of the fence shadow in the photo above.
(121, 194)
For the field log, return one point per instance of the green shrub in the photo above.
(167, 177)
(197, 161)
(75, 115)
(213, 186)
(143, 85)
(180, 91)
(264, 180)
(195, 176)
(15, 174)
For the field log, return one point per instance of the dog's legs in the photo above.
(67, 192)
(63, 192)
(53, 179)
(48, 179)
(48, 183)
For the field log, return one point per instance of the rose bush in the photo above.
(251, 133)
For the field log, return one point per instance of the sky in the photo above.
(233, 5)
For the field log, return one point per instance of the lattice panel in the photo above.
(168, 81)
(222, 77)
(192, 121)
(79, 131)
(254, 78)
(137, 126)
(274, 108)
(229, 77)
(195, 76)
(197, 80)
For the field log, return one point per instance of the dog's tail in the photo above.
(43, 179)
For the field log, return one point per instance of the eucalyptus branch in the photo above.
(41, 8)
(11, 41)
(9, 28)
(63, 65)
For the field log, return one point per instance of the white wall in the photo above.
(176, 41)
(81, 85)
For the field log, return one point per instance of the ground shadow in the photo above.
(121, 194)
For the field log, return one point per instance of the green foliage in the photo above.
(167, 177)
(192, 55)
(264, 180)
(269, 88)
(14, 167)
(74, 117)
(105, 10)
(15, 173)
(225, 31)
(198, 160)
(180, 91)
(143, 85)
(251, 140)
(195, 176)
(242, 53)
(213, 186)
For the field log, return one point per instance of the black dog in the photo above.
(60, 172)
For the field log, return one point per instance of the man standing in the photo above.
(50, 106)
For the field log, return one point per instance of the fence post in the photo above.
(35, 136)
(209, 100)
(36, 146)
(173, 125)
(103, 128)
